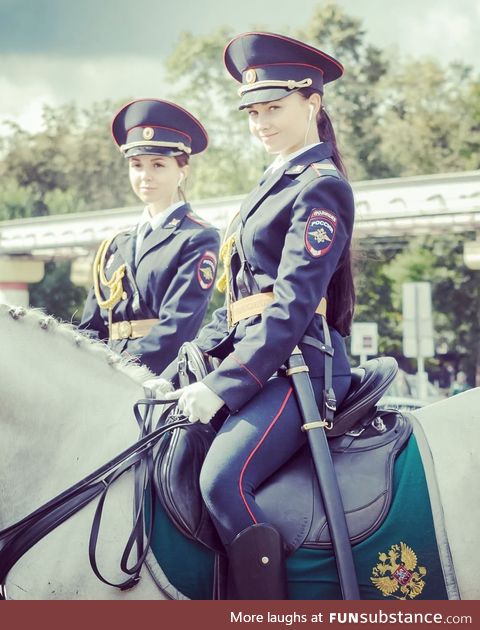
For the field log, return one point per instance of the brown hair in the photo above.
(341, 289)
(182, 160)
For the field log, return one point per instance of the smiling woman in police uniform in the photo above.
(287, 262)
(152, 284)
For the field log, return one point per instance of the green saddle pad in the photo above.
(399, 561)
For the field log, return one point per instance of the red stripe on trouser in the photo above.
(269, 428)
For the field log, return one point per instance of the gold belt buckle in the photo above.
(124, 329)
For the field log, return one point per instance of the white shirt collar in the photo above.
(158, 219)
(280, 161)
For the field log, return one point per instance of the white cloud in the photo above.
(444, 33)
(28, 82)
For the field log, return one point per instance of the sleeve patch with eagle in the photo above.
(206, 270)
(320, 232)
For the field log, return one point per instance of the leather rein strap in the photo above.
(18, 538)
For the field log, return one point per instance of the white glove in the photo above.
(196, 402)
(158, 387)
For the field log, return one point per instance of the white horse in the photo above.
(67, 408)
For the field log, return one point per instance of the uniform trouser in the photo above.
(250, 446)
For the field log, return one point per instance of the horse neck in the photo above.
(65, 411)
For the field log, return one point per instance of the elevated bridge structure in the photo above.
(386, 209)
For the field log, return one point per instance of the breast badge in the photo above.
(320, 232)
(397, 574)
(206, 270)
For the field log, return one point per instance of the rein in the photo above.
(18, 538)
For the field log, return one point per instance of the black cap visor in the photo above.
(264, 95)
(149, 150)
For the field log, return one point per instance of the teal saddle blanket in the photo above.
(399, 561)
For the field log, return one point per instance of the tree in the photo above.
(354, 100)
(431, 120)
(455, 296)
(72, 159)
(232, 164)
(375, 290)
(56, 294)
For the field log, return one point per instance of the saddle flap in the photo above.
(369, 382)
(367, 460)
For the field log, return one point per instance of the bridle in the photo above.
(18, 538)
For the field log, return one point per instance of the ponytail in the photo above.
(327, 134)
(341, 289)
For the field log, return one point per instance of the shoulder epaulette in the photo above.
(196, 219)
(321, 169)
(325, 168)
(296, 170)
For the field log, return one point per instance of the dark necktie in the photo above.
(142, 235)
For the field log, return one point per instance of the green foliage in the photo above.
(56, 294)
(16, 201)
(232, 164)
(455, 295)
(72, 165)
(354, 101)
(430, 119)
(375, 290)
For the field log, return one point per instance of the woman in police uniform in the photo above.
(152, 284)
(287, 262)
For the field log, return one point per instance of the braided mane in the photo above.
(97, 349)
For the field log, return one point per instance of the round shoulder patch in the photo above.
(206, 270)
(320, 232)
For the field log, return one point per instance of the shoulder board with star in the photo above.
(321, 169)
(172, 223)
(198, 220)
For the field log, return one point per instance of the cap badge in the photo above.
(148, 133)
(250, 76)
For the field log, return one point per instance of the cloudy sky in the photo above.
(58, 51)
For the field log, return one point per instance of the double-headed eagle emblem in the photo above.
(320, 236)
(207, 273)
(397, 574)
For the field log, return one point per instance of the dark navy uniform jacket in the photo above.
(172, 282)
(295, 227)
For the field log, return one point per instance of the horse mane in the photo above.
(98, 349)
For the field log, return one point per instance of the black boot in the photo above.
(257, 565)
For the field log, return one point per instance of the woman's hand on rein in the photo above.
(158, 386)
(197, 402)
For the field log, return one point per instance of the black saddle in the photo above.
(364, 443)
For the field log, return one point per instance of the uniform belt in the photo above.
(257, 303)
(132, 329)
